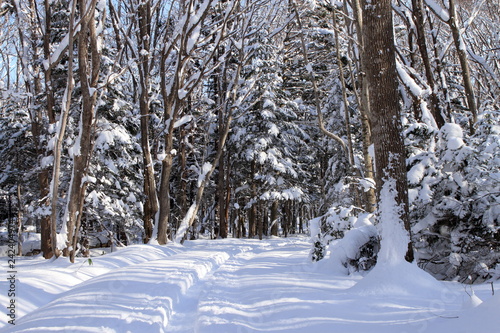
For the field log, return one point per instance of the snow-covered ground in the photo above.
(236, 285)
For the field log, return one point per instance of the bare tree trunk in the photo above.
(221, 181)
(350, 150)
(61, 130)
(417, 7)
(19, 222)
(265, 219)
(464, 63)
(144, 37)
(33, 88)
(364, 109)
(252, 212)
(228, 190)
(183, 184)
(380, 64)
(172, 104)
(260, 219)
(89, 59)
(274, 218)
(43, 176)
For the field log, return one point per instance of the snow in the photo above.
(184, 120)
(309, 68)
(394, 238)
(453, 135)
(438, 10)
(416, 91)
(346, 248)
(367, 184)
(203, 172)
(237, 285)
(273, 130)
(182, 93)
(185, 223)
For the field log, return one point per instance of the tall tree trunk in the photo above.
(417, 7)
(380, 64)
(252, 213)
(439, 67)
(43, 176)
(364, 109)
(221, 181)
(183, 183)
(89, 59)
(59, 135)
(464, 63)
(19, 222)
(150, 196)
(33, 89)
(260, 219)
(172, 104)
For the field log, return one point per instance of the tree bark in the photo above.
(380, 63)
(464, 63)
(417, 7)
(43, 176)
(364, 109)
(221, 181)
(150, 195)
(274, 218)
(59, 135)
(89, 60)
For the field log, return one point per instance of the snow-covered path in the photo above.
(233, 286)
(271, 287)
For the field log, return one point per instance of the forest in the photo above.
(158, 121)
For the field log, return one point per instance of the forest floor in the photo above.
(235, 285)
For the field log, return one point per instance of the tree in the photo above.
(418, 18)
(385, 111)
(89, 57)
(143, 56)
(184, 64)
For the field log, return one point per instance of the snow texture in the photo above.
(237, 286)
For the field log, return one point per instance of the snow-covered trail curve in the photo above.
(271, 287)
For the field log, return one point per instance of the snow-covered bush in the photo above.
(456, 211)
(348, 235)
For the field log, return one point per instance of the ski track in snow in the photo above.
(230, 286)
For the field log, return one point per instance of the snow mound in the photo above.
(402, 279)
(347, 248)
